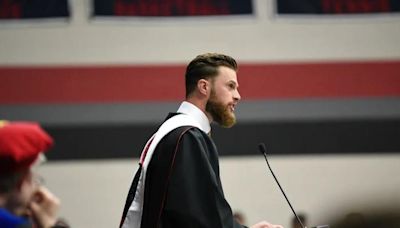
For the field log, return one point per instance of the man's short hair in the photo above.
(205, 66)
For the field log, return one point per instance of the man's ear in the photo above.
(203, 86)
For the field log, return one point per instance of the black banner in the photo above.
(166, 8)
(337, 6)
(369, 136)
(28, 9)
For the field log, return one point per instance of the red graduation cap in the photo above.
(20, 145)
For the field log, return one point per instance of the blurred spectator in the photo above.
(296, 224)
(239, 217)
(388, 218)
(24, 202)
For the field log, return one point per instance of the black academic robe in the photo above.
(183, 186)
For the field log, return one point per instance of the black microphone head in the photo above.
(262, 148)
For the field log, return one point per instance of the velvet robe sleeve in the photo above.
(195, 197)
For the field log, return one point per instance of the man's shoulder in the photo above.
(177, 127)
(184, 125)
(183, 132)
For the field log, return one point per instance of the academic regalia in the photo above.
(182, 186)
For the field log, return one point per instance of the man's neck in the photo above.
(201, 105)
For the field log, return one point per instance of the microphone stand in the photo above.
(263, 150)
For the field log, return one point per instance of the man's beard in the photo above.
(219, 112)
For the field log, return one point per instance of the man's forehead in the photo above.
(226, 74)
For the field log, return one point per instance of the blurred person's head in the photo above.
(296, 224)
(21, 146)
(239, 217)
(387, 218)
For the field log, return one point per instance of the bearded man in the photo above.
(178, 183)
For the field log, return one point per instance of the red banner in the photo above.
(166, 8)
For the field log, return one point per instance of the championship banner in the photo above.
(168, 8)
(334, 7)
(32, 9)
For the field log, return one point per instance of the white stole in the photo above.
(134, 216)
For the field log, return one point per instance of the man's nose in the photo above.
(236, 95)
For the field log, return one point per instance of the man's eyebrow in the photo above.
(234, 82)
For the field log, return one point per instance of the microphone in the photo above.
(263, 150)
